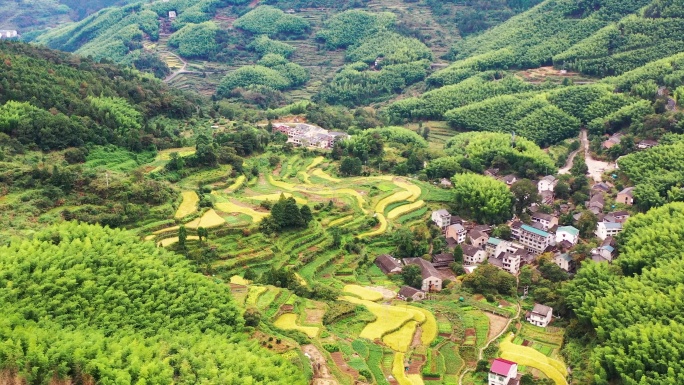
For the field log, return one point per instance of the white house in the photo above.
(535, 240)
(507, 261)
(456, 232)
(473, 255)
(547, 183)
(546, 221)
(8, 33)
(608, 229)
(540, 315)
(567, 233)
(432, 280)
(442, 219)
(503, 372)
(564, 261)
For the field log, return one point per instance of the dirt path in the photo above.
(494, 338)
(178, 72)
(596, 167)
(322, 375)
(497, 324)
(571, 159)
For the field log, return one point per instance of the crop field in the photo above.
(401, 339)
(405, 209)
(363, 293)
(237, 184)
(230, 207)
(530, 357)
(208, 220)
(189, 204)
(289, 322)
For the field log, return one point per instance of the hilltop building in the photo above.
(306, 135)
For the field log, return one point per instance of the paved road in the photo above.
(177, 72)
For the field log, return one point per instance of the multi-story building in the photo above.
(546, 221)
(535, 240)
(442, 219)
(567, 233)
(608, 229)
(456, 232)
(306, 135)
(540, 315)
(503, 372)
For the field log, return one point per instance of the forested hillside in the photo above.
(92, 305)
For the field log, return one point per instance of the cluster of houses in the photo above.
(8, 33)
(307, 135)
(431, 277)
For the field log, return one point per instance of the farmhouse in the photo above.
(473, 255)
(547, 221)
(608, 229)
(509, 179)
(605, 252)
(547, 183)
(601, 186)
(306, 135)
(477, 237)
(647, 143)
(442, 219)
(617, 216)
(626, 196)
(567, 233)
(612, 141)
(442, 260)
(456, 232)
(564, 261)
(503, 372)
(388, 264)
(432, 280)
(507, 261)
(407, 292)
(540, 315)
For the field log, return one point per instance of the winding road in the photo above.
(177, 72)
(596, 167)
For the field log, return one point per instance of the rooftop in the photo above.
(627, 191)
(568, 229)
(532, 230)
(442, 212)
(387, 263)
(612, 225)
(541, 309)
(470, 250)
(408, 291)
(566, 257)
(502, 367)
(494, 241)
(426, 268)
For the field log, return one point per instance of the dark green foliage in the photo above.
(104, 103)
(350, 166)
(525, 194)
(409, 244)
(285, 215)
(484, 199)
(488, 279)
(667, 71)
(533, 118)
(92, 294)
(195, 40)
(444, 167)
(412, 276)
(147, 62)
(391, 48)
(633, 316)
(252, 76)
(351, 27)
(266, 20)
(483, 150)
(295, 73)
(263, 45)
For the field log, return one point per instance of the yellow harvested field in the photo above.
(237, 184)
(230, 207)
(166, 230)
(317, 160)
(304, 177)
(341, 191)
(413, 189)
(149, 237)
(171, 241)
(208, 220)
(530, 357)
(403, 209)
(400, 375)
(189, 204)
(363, 293)
(380, 230)
(396, 197)
(323, 175)
(301, 279)
(275, 197)
(429, 327)
(236, 279)
(279, 183)
(400, 340)
(289, 322)
(388, 318)
(340, 221)
(183, 151)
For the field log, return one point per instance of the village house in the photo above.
(617, 216)
(546, 197)
(626, 196)
(446, 183)
(496, 246)
(306, 135)
(646, 144)
(8, 33)
(605, 252)
(547, 183)
(432, 280)
(493, 172)
(503, 372)
(442, 260)
(535, 240)
(477, 238)
(612, 141)
(509, 179)
(172, 15)
(407, 292)
(547, 221)
(507, 261)
(608, 229)
(567, 233)
(456, 232)
(473, 255)
(564, 261)
(540, 315)
(442, 219)
(388, 264)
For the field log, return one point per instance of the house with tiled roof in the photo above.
(547, 183)
(441, 218)
(473, 255)
(564, 261)
(503, 372)
(432, 280)
(567, 233)
(540, 315)
(626, 196)
(388, 264)
(456, 232)
(477, 238)
(442, 260)
(608, 229)
(546, 220)
(535, 240)
(407, 292)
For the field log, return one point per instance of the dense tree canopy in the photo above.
(350, 27)
(195, 40)
(267, 20)
(484, 199)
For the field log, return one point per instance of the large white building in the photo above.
(567, 233)
(540, 315)
(535, 240)
(547, 183)
(503, 372)
(8, 33)
(442, 219)
(306, 135)
(608, 229)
